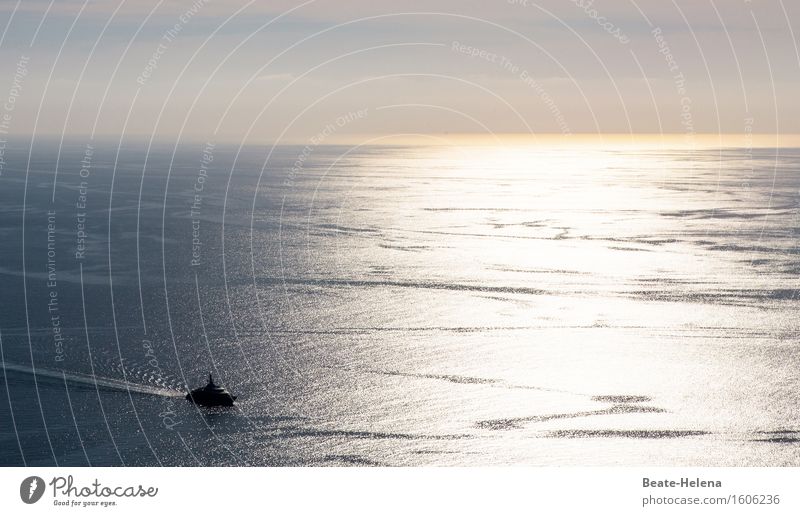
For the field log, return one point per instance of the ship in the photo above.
(212, 395)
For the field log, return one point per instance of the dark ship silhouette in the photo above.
(212, 395)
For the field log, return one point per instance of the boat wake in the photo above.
(89, 381)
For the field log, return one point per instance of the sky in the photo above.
(323, 71)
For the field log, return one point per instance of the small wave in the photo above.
(351, 460)
(409, 248)
(429, 285)
(380, 270)
(630, 434)
(92, 381)
(518, 422)
(459, 379)
(293, 432)
(779, 439)
(626, 249)
(347, 229)
(722, 213)
(621, 398)
(778, 436)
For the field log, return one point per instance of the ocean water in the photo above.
(399, 305)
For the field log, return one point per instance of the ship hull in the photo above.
(216, 400)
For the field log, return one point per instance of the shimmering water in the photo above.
(401, 305)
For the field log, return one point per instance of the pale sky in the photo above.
(287, 71)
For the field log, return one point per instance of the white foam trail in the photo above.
(95, 381)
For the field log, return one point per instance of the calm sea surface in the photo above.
(400, 305)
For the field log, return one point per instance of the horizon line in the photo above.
(671, 140)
